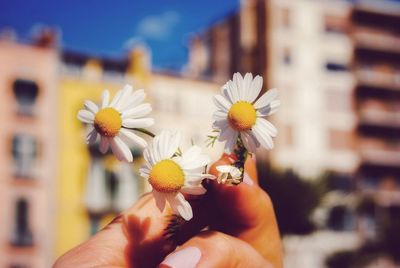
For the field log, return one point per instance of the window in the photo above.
(336, 67)
(25, 93)
(22, 236)
(287, 56)
(110, 188)
(335, 24)
(24, 150)
(285, 17)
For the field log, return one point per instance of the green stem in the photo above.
(241, 154)
(144, 131)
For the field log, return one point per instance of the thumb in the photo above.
(214, 249)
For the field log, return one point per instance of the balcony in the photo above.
(379, 156)
(376, 40)
(379, 117)
(378, 79)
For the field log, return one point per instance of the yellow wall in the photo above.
(72, 226)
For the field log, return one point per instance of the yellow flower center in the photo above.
(166, 176)
(108, 122)
(242, 116)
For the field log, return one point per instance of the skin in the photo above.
(240, 219)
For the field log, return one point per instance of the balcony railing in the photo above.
(381, 157)
(377, 41)
(379, 79)
(374, 116)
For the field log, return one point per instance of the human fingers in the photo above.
(214, 249)
(127, 241)
(246, 211)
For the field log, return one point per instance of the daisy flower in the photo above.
(114, 121)
(171, 174)
(232, 175)
(228, 173)
(240, 115)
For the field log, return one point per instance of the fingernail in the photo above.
(247, 180)
(184, 258)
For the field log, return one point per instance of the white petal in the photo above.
(248, 142)
(137, 123)
(269, 109)
(230, 143)
(173, 144)
(126, 92)
(138, 111)
(86, 116)
(173, 202)
(222, 103)
(200, 161)
(91, 137)
(91, 106)
(116, 98)
(159, 199)
(220, 124)
(220, 115)
(184, 208)
(233, 91)
(238, 81)
(262, 136)
(233, 171)
(194, 190)
(226, 134)
(136, 98)
(121, 150)
(267, 98)
(196, 178)
(144, 172)
(132, 138)
(267, 127)
(194, 158)
(104, 144)
(192, 153)
(148, 156)
(246, 86)
(255, 89)
(105, 98)
(224, 168)
(164, 145)
(226, 94)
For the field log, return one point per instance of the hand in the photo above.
(242, 232)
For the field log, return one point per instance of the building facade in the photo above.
(58, 190)
(308, 59)
(28, 152)
(376, 37)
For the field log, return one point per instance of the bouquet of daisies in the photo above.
(239, 122)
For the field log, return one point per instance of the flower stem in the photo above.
(145, 132)
(241, 154)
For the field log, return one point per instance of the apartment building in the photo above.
(28, 151)
(376, 67)
(307, 57)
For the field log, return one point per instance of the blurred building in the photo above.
(376, 65)
(57, 190)
(307, 57)
(28, 150)
(336, 64)
(92, 188)
(184, 104)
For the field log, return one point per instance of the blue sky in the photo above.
(105, 27)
